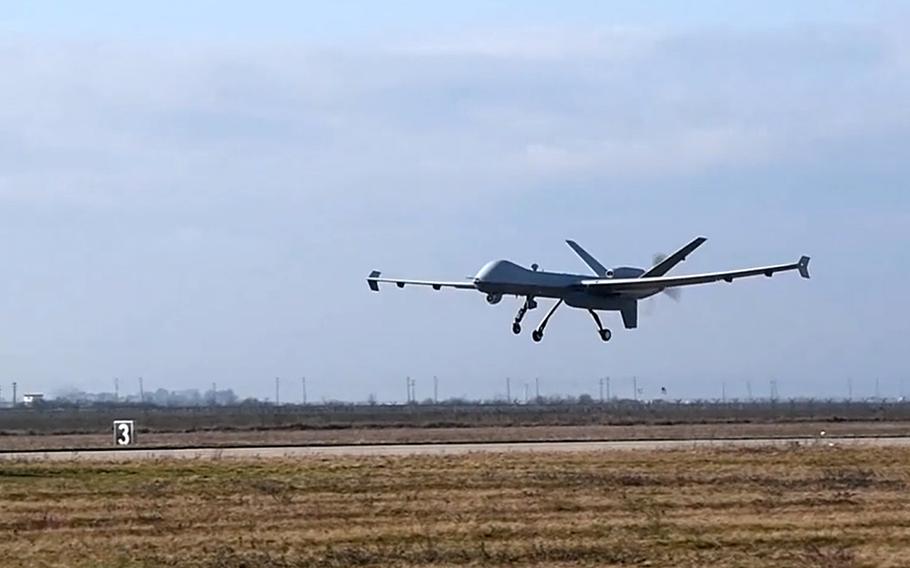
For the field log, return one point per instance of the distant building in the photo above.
(32, 398)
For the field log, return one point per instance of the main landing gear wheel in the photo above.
(516, 328)
(538, 333)
(605, 334)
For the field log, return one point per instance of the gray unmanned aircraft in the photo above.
(611, 289)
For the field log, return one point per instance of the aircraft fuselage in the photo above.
(504, 278)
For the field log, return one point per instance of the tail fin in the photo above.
(597, 267)
(629, 312)
(666, 264)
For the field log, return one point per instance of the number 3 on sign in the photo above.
(124, 433)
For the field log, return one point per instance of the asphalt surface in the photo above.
(121, 454)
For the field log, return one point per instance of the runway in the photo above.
(118, 454)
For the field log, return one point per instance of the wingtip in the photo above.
(371, 280)
(804, 266)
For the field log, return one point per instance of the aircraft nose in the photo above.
(484, 273)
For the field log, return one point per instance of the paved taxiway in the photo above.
(116, 454)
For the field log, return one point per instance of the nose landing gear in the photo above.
(529, 304)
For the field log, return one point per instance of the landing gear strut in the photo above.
(529, 304)
(605, 334)
(537, 334)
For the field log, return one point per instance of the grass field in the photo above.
(816, 506)
(47, 419)
(452, 435)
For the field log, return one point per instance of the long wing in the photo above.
(373, 280)
(648, 283)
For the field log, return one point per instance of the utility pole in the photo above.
(214, 393)
(773, 384)
(277, 390)
(601, 381)
(14, 393)
(635, 387)
(409, 384)
(116, 389)
(303, 390)
(850, 388)
(723, 392)
(749, 390)
(141, 392)
(435, 389)
(509, 390)
(537, 390)
(608, 388)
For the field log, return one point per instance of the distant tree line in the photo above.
(158, 397)
(194, 398)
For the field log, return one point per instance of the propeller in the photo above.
(673, 293)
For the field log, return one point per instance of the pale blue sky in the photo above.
(345, 20)
(195, 191)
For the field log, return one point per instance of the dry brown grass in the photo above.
(817, 506)
(475, 434)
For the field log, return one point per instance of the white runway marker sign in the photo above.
(124, 432)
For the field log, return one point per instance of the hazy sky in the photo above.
(196, 191)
